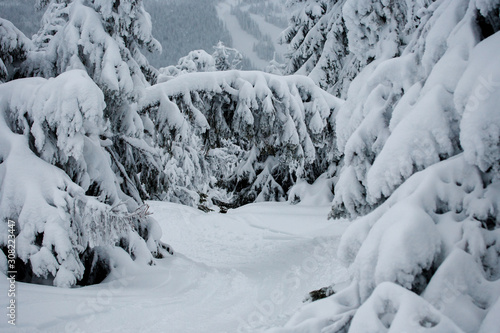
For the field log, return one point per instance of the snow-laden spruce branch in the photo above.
(277, 126)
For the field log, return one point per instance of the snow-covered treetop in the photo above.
(224, 58)
(104, 37)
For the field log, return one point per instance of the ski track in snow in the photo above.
(243, 271)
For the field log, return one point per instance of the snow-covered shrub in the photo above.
(197, 61)
(57, 181)
(272, 128)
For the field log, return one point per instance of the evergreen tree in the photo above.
(105, 38)
(332, 40)
(304, 34)
(365, 126)
(226, 58)
(419, 175)
(97, 139)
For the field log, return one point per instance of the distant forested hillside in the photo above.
(179, 25)
(184, 25)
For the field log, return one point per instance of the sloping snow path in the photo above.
(243, 271)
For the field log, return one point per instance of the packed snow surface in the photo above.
(243, 271)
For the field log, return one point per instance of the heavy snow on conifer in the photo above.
(84, 139)
(105, 39)
(62, 232)
(251, 134)
(412, 153)
(420, 179)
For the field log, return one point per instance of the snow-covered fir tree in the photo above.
(64, 229)
(304, 34)
(332, 40)
(95, 137)
(105, 38)
(419, 170)
(226, 58)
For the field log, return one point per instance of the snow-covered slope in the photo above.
(242, 40)
(273, 31)
(238, 272)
